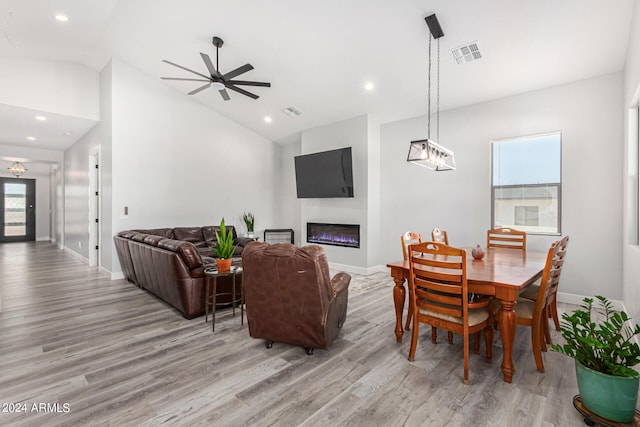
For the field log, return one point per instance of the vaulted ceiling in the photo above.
(318, 55)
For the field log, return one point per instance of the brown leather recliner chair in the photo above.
(290, 297)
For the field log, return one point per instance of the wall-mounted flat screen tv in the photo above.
(325, 174)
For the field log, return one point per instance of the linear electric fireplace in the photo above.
(334, 234)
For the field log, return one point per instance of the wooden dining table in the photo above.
(503, 273)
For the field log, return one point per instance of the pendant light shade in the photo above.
(431, 155)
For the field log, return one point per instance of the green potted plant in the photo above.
(224, 249)
(601, 344)
(249, 221)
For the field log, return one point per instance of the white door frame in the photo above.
(95, 203)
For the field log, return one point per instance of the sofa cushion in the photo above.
(190, 234)
(164, 232)
(209, 234)
(187, 251)
(152, 239)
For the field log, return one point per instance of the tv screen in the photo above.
(325, 174)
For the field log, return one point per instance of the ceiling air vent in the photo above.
(466, 53)
(292, 112)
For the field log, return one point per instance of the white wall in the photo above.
(589, 115)
(347, 133)
(176, 162)
(631, 252)
(55, 86)
(171, 161)
(288, 206)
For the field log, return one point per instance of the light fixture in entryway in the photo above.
(17, 169)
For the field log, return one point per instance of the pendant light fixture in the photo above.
(17, 169)
(427, 152)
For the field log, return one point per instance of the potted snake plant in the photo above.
(600, 339)
(249, 221)
(224, 249)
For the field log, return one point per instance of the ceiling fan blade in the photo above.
(224, 94)
(185, 68)
(242, 91)
(201, 88)
(238, 71)
(209, 64)
(242, 82)
(179, 78)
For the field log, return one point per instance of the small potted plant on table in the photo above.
(604, 355)
(249, 221)
(224, 249)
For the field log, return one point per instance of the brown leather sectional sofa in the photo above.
(170, 263)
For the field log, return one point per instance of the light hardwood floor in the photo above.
(116, 355)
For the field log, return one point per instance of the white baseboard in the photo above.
(76, 255)
(116, 276)
(365, 271)
(576, 299)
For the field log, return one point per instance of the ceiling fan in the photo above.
(220, 82)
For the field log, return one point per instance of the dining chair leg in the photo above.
(536, 345)
(547, 332)
(414, 341)
(450, 337)
(545, 335)
(407, 325)
(488, 340)
(466, 359)
(554, 314)
(476, 342)
(434, 335)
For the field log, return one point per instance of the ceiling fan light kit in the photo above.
(427, 152)
(220, 82)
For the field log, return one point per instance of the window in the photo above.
(526, 188)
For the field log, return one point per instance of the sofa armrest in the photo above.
(340, 283)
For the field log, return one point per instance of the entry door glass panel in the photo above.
(15, 209)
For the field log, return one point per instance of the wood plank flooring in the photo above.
(109, 353)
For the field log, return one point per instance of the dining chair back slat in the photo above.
(439, 236)
(509, 238)
(407, 239)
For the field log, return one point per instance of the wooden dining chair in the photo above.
(409, 238)
(439, 236)
(507, 238)
(438, 288)
(531, 293)
(534, 313)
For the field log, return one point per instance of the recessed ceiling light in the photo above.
(267, 119)
(369, 86)
(31, 138)
(41, 118)
(67, 133)
(62, 18)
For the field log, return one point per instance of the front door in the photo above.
(17, 209)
